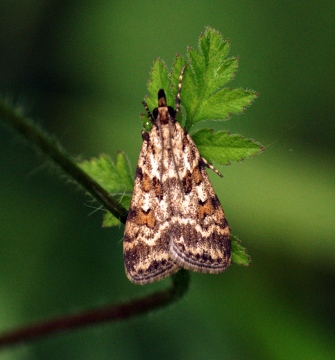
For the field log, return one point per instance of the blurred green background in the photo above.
(80, 69)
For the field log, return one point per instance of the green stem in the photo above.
(54, 151)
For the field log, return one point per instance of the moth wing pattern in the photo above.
(200, 235)
(146, 238)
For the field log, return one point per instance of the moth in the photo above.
(175, 219)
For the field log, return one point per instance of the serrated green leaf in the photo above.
(109, 219)
(239, 255)
(116, 178)
(212, 39)
(207, 72)
(223, 104)
(222, 147)
(123, 167)
(224, 73)
(108, 174)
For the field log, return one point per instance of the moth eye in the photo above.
(155, 113)
(171, 111)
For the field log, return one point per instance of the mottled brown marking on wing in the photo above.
(204, 251)
(187, 182)
(197, 175)
(205, 208)
(141, 217)
(146, 263)
(185, 141)
(146, 183)
(157, 187)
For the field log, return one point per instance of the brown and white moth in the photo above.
(175, 218)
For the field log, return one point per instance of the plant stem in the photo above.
(97, 316)
(50, 147)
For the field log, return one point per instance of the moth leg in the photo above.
(206, 163)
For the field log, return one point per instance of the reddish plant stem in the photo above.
(99, 316)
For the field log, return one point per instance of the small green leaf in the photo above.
(222, 147)
(223, 104)
(207, 73)
(204, 96)
(239, 255)
(116, 178)
(123, 168)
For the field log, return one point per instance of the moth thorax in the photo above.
(164, 114)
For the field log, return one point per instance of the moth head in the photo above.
(165, 112)
(161, 98)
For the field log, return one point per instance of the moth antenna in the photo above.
(148, 111)
(179, 90)
(210, 166)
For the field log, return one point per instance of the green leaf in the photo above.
(116, 178)
(222, 147)
(206, 76)
(204, 96)
(223, 104)
(239, 254)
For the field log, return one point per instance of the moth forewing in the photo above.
(146, 239)
(200, 239)
(175, 219)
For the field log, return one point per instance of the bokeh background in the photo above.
(80, 69)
